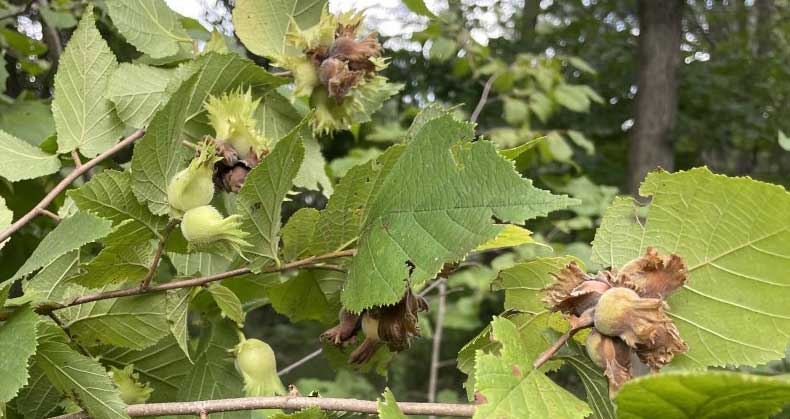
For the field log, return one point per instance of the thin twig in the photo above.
(86, 176)
(146, 282)
(60, 187)
(483, 98)
(66, 330)
(300, 362)
(191, 282)
(284, 402)
(50, 214)
(433, 379)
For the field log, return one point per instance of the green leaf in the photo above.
(732, 234)
(71, 234)
(510, 236)
(580, 140)
(20, 160)
(260, 199)
(269, 40)
(159, 155)
(60, 20)
(29, 120)
(703, 395)
(442, 49)
(228, 303)
(131, 322)
(581, 65)
(150, 25)
(84, 118)
(138, 91)
(118, 264)
(214, 376)
(6, 218)
(784, 141)
(52, 282)
(595, 383)
(164, 366)
(515, 152)
(298, 233)
(512, 389)
(22, 43)
(198, 263)
(177, 317)
(276, 118)
(311, 295)
(81, 378)
(17, 344)
(39, 398)
(516, 111)
(340, 222)
(109, 195)
(355, 157)
(419, 7)
(572, 97)
(435, 206)
(388, 407)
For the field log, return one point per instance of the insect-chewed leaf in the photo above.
(85, 119)
(511, 388)
(733, 234)
(151, 26)
(435, 206)
(710, 394)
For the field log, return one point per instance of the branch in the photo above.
(192, 282)
(146, 282)
(60, 187)
(483, 98)
(300, 362)
(433, 379)
(284, 402)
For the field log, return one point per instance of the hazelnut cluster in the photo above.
(393, 325)
(625, 308)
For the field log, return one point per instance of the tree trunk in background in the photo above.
(764, 26)
(656, 100)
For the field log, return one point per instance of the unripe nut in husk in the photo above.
(205, 225)
(256, 362)
(193, 186)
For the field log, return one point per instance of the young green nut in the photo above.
(256, 362)
(193, 186)
(129, 387)
(232, 117)
(205, 225)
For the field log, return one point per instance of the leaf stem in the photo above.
(50, 214)
(191, 282)
(433, 379)
(284, 402)
(146, 282)
(60, 187)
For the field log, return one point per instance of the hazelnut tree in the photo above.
(134, 304)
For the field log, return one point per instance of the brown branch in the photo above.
(483, 98)
(191, 282)
(146, 282)
(60, 187)
(284, 402)
(433, 379)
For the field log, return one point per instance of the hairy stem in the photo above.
(206, 407)
(146, 282)
(60, 187)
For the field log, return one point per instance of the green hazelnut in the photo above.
(193, 186)
(205, 225)
(256, 362)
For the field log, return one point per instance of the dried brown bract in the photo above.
(393, 325)
(626, 307)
